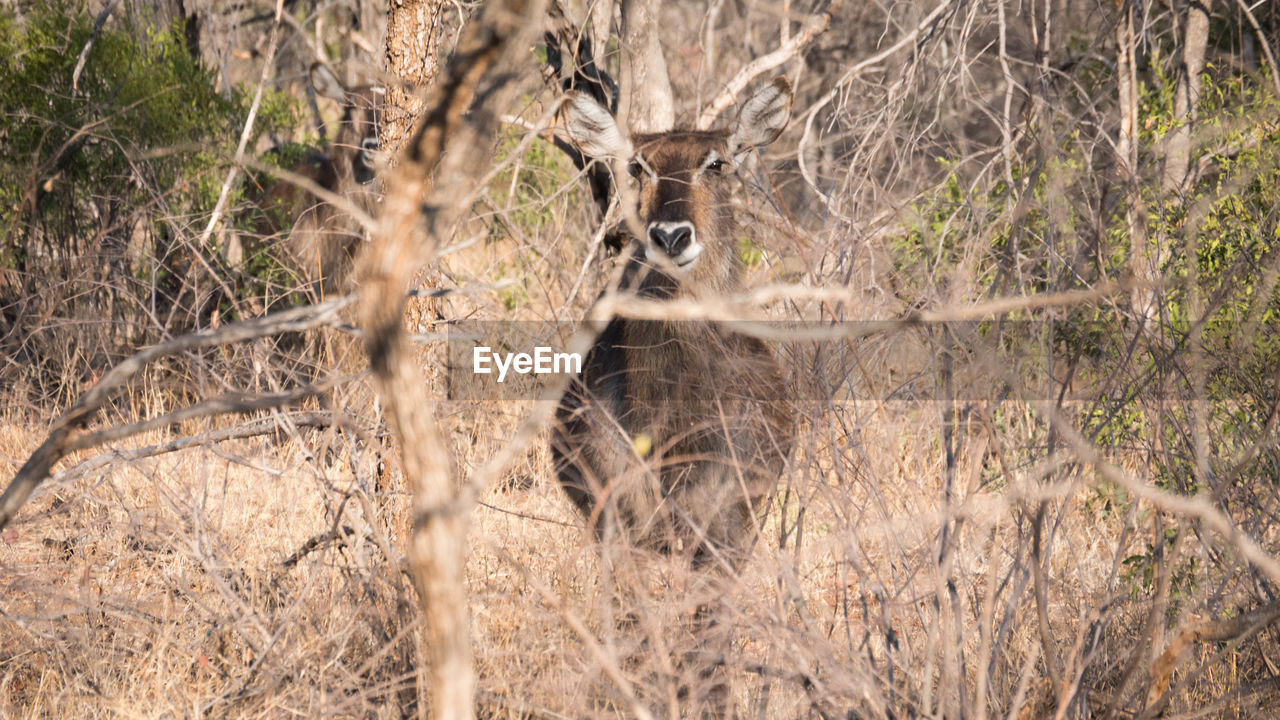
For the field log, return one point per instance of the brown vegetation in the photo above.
(1019, 264)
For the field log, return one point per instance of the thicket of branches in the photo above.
(1033, 250)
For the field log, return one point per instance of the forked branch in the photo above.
(1202, 631)
(765, 63)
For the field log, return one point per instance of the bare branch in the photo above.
(204, 439)
(764, 64)
(88, 46)
(66, 435)
(1205, 630)
(862, 66)
(1194, 507)
(856, 70)
(245, 133)
(738, 308)
(231, 403)
(337, 200)
(1264, 41)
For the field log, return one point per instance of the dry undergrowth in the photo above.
(165, 587)
(940, 545)
(252, 578)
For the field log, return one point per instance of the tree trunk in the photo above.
(411, 50)
(600, 15)
(1177, 162)
(442, 160)
(413, 44)
(1149, 255)
(1143, 297)
(651, 106)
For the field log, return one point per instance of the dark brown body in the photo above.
(676, 433)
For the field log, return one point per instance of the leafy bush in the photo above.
(108, 177)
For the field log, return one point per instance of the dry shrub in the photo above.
(1014, 513)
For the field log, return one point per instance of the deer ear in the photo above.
(592, 128)
(327, 84)
(761, 119)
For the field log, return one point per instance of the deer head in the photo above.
(356, 141)
(685, 180)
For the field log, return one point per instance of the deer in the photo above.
(320, 240)
(675, 433)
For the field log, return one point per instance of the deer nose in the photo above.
(672, 237)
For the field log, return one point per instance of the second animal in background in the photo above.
(317, 239)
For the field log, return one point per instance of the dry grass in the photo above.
(938, 546)
(159, 588)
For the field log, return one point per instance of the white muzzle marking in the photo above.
(690, 256)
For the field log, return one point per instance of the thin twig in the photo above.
(205, 439)
(597, 651)
(765, 63)
(1264, 42)
(1196, 507)
(859, 68)
(66, 436)
(1205, 630)
(337, 200)
(93, 37)
(268, 64)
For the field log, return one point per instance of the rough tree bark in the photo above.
(413, 45)
(441, 162)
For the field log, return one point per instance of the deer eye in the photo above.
(635, 169)
(715, 165)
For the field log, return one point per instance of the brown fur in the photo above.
(321, 240)
(708, 400)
